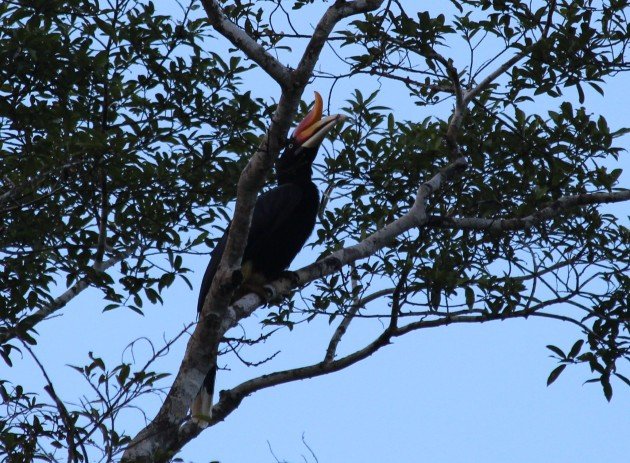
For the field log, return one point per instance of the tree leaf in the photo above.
(575, 350)
(555, 373)
(557, 351)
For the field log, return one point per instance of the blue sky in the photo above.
(456, 394)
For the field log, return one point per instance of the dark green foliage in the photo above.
(112, 118)
(521, 162)
(122, 136)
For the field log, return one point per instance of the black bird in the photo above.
(282, 221)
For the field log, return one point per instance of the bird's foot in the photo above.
(273, 297)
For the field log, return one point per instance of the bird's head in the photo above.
(301, 149)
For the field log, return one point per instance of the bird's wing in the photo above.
(272, 208)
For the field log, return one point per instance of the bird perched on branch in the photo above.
(282, 220)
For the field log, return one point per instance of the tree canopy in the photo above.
(129, 137)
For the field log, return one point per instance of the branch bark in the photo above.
(241, 40)
(231, 399)
(553, 210)
(415, 217)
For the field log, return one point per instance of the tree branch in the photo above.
(335, 13)
(345, 323)
(170, 430)
(485, 83)
(241, 40)
(60, 301)
(61, 408)
(161, 435)
(554, 209)
(415, 217)
(232, 398)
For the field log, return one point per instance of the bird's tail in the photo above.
(201, 408)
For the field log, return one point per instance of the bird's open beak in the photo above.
(313, 128)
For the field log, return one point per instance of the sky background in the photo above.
(473, 393)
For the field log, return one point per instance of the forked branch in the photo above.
(163, 435)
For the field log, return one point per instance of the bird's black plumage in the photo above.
(282, 220)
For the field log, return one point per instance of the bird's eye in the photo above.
(290, 145)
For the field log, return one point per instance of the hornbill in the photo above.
(282, 220)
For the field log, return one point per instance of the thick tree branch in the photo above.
(415, 217)
(241, 40)
(245, 306)
(166, 431)
(553, 210)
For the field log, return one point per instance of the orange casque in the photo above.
(306, 128)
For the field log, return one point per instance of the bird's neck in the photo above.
(301, 175)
